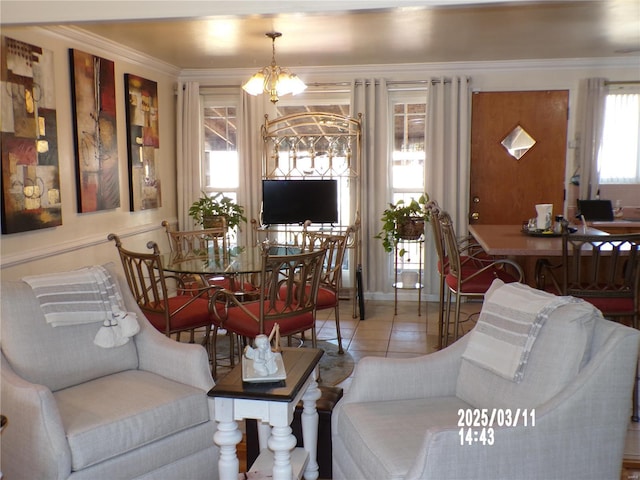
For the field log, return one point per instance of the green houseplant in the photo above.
(403, 221)
(206, 208)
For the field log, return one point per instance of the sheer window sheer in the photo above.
(619, 154)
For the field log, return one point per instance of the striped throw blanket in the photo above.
(508, 326)
(84, 296)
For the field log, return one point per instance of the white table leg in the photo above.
(227, 436)
(281, 442)
(309, 422)
(264, 432)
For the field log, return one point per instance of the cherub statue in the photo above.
(264, 360)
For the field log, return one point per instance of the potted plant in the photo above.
(207, 208)
(403, 221)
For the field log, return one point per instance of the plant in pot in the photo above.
(403, 221)
(207, 209)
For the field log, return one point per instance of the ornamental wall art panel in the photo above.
(28, 129)
(94, 115)
(142, 142)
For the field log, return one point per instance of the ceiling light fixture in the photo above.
(274, 80)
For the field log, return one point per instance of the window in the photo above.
(408, 158)
(329, 157)
(619, 155)
(220, 165)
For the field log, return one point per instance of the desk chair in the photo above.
(463, 281)
(171, 306)
(335, 245)
(282, 299)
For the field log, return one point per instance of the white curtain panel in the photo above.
(189, 148)
(251, 147)
(448, 158)
(371, 99)
(593, 93)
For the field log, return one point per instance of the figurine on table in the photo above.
(264, 360)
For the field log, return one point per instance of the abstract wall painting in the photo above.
(94, 114)
(28, 129)
(142, 142)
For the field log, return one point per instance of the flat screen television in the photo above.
(296, 201)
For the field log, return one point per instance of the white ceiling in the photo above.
(204, 35)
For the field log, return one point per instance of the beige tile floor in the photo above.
(406, 334)
(385, 334)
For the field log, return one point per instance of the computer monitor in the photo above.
(596, 210)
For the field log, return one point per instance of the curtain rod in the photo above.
(622, 82)
(358, 82)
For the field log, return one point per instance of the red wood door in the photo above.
(505, 190)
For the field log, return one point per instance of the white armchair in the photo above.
(80, 411)
(402, 418)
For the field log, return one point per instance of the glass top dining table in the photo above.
(234, 261)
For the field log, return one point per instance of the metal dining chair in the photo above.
(288, 286)
(465, 282)
(335, 245)
(604, 270)
(171, 306)
(198, 243)
(471, 257)
(203, 243)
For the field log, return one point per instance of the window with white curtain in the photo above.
(409, 110)
(221, 164)
(619, 155)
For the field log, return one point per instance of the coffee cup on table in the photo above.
(544, 212)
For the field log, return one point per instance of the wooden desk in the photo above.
(618, 226)
(509, 241)
(272, 403)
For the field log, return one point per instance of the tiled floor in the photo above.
(406, 335)
(385, 334)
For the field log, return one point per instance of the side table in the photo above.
(274, 404)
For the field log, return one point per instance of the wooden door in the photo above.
(505, 190)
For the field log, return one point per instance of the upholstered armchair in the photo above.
(81, 411)
(565, 416)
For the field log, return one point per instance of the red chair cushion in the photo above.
(195, 315)
(327, 298)
(463, 260)
(466, 262)
(241, 323)
(481, 282)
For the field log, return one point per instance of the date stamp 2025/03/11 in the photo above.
(477, 424)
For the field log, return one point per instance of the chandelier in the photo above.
(274, 80)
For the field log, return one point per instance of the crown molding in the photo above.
(86, 38)
(236, 75)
